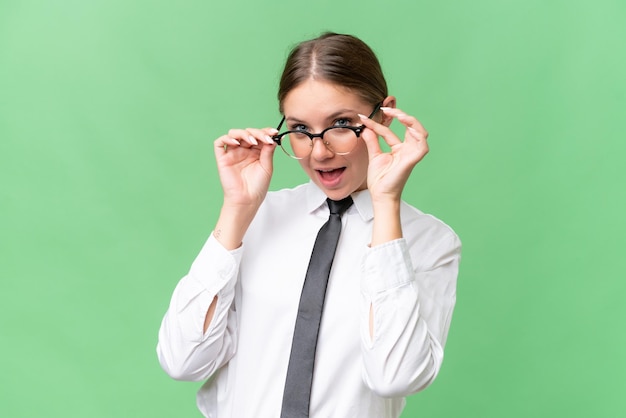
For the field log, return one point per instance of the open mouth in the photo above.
(331, 175)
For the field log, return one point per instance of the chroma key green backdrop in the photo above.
(108, 187)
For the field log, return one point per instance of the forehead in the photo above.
(315, 97)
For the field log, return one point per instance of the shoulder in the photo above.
(430, 241)
(285, 196)
(418, 225)
(281, 211)
(280, 203)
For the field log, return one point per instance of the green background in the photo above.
(108, 110)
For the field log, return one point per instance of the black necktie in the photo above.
(297, 393)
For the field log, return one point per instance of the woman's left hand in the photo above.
(388, 172)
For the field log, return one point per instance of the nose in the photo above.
(320, 149)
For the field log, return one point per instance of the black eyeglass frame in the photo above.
(356, 129)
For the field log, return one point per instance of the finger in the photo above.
(390, 138)
(406, 120)
(260, 135)
(266, 156)
(270, 131)
(371, 143)
(245, 138)
(415, 134)
(223, 142)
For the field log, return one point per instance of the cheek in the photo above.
(359, 170)
(304, 163)
(360, 157)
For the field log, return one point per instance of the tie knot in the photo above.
(338, 207)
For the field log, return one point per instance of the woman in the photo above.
(391, 290)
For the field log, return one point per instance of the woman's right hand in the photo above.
(244, 162)
(245, 166)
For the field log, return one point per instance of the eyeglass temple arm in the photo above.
(279, 126)
(360, 128)
(376, 109)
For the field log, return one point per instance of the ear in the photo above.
(390, 101)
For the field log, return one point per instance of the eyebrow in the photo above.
(333, 115)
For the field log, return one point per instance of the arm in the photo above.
(410, 290)
(198, 332)
(404, 337)
(187, 349)
(388, 172)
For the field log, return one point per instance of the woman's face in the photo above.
(316, 105)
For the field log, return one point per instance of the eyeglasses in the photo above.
(339, 139)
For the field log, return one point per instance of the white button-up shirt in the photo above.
(410, 284)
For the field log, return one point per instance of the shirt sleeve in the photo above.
(184, 350)
(412, 293)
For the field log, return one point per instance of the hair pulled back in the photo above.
(340, 59)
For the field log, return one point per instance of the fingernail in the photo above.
(268, 139)
(363, 116)
(413, 130)
(385, 108)
(253, 140)
(273, 131)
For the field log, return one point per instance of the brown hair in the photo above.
(341, 59)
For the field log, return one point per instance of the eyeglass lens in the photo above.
(338, 140)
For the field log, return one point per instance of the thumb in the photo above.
(266, 157)
(371, 142)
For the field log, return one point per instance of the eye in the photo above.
(342, 122)
(299, 127)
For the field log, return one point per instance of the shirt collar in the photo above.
(316, 198)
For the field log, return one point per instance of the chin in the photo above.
(337, 194)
